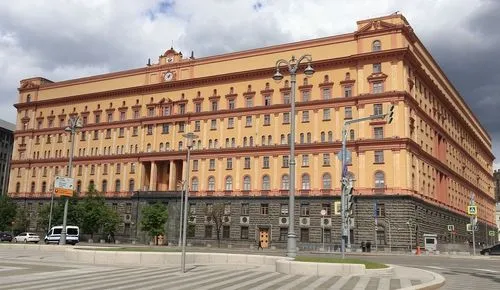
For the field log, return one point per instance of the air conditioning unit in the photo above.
(244, 220)
(127, 218)
(226, 219)
(305, 221)
(283, 221)
(326, 222)
(208, 219)
(192, 219)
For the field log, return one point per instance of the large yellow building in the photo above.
(419, 170)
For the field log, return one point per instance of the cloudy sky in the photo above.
(64, 39)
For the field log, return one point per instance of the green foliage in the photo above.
(22, 221)
(154, 218)
(95, 215)
(8, 210)
(217, 215)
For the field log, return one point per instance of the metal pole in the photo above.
(70, 171)
(411, 238)
(323, 233)
(190, 137)
(292, 237)
(180, 216)
(51, 206)
(342, 193)
(390, 238)
(473, 226)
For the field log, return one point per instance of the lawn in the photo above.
(368, 264)
(133, 249)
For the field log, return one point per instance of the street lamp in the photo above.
(292, 65)
(190, 137)
(74, 125)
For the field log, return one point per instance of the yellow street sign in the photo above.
(472, 210)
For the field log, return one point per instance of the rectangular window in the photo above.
(96, 134)
(110, 117)
(285, 161)
(328, 208)
(336, 208)
(121, 132)
(377, 109)
(213, 124)
(327, 236)
(380, 210)
(208, 209)
(304, 209)
(215, 106)
(283, 234)
(231, 104)
(165, 129)
(306, 96)
(182, 108)
(108, 133)
(211, 164)
(229, 163)
(150, 130)
(264, 208)
(225, 232)
(247, 163)
(197, 108)
(249, 102)
(378, 132)
(182, 126)
(197, 126)
(248, 122)
(304, 235)
(305, 160)
(286, 118)
(348, 91)
(286, 99)
(230, 123)
(326, 159)
(245, 209)
(305, 116)
(267, 120)
(136, 114)
(284, 209)
(151, 112)
(244, 233)
(378, 87)
(377, 68)
(97, 119)
(326, 115)
(265, 162)
(195, 165)
(135, 131)
(267, 100)
(208, 232)
(379, 156)
(166, 111)
(123, 116)
(327, 93)
(348, 112)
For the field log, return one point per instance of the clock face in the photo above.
(170, 59)
(168, 76)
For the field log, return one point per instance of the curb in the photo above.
(435, 283)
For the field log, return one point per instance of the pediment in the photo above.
(376, 25)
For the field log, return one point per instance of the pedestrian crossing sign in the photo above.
(472, 210)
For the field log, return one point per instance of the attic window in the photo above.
(376, 45)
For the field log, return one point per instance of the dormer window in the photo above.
(376, 45)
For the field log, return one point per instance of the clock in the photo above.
(170, 59)
(168, 76)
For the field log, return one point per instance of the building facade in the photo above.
(413, 176)
(6, 144)
(496, 178)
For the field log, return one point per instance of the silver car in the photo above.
(26, 238)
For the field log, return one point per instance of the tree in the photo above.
(8, 210)
(73, 218)
(217, 214)
(95, 215)
(21, 222)
(153, 219)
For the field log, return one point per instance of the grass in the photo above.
(132, 249)
(368, 264)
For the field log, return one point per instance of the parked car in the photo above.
(495, 250)
(54, 235)
(5, 237)
(26, 238)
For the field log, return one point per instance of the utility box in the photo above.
(430, 242)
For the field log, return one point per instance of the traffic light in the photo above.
(390, 115)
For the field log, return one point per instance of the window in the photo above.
(348, 112)
(327, 93)
(377, 68)
(267, 120)
(225, 232)
(380, 210)
(351, 134)
(132, 167)
(378, 132)
(306, 96)
(121, 132)
(211, 183)
(194, 184)
(247, 163)
(378, 87)
(110, 117)
(284, 209)
(165, 129)
(330, 136)
(136, 114)
(135, 131)
(285, 161)
(286, 118)
(265, 162)
(249, 102)
(208, 231)
(306, 181)
(108, 133)
(166, 111)
(266, 182)
(182, 126)
(244, 233)
(211, 164)
(285, 182)
(44, 186)
(377, 109)
(326, 114)
(248, 122)
(150, 130)
(267, 100)
(379, 179)
(283, 234)
(182, 109)
(376, 45)
(327, 181)
(215, 105)
(286, 99)
(305, 160)
(123, 116)
(104, 186)
(246, 183)
(304, 209)
(347, 91)
(229, 163)
(229, 183)
(245, 209)
(326, 159)
(231, 104)
(264, 208)
(151, 112)
(230, 123)
(97, 119)
(197, 107)
(305, 116)
(118, 186)
(304, 235)
(379, 156)
(195, 165)
(213, 124)
(118, 168)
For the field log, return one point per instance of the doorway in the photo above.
(264, 238)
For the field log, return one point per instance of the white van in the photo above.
(72, 235)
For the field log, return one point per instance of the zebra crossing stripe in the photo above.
(253, 283)
(226, 282)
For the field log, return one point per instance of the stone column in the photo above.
(152, 176)
(171, 176)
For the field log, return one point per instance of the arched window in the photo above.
(283, 140)
(263, 140)
(351, 134)
(379, 179)
(148, 148)
(301, 138)
(44, 186)
(244, 141)
(227, 143)
(285, 182)
(194, 184)
(233, 142)
(118, 185)
(79, 186)
(91, 184)
(327, 181)
(306, 181)
(330, 136)
(376, 45)
(104, 186)
(18, 187)
(323, 137)
(251, 141)
(131, 185)
(289, 139)
(211, 183)
(161, 146)
(229, 183)
(210, 144)
(246, 183)
(180, 145)
(269, 140)
(32, 187)
(309, 138)
(266, 182)
(28, 98)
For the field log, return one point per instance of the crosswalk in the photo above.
(37, 275)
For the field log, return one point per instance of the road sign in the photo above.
(491, 233)
(469, 228)
(348, 156)
(472, 210)
(63, 186)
